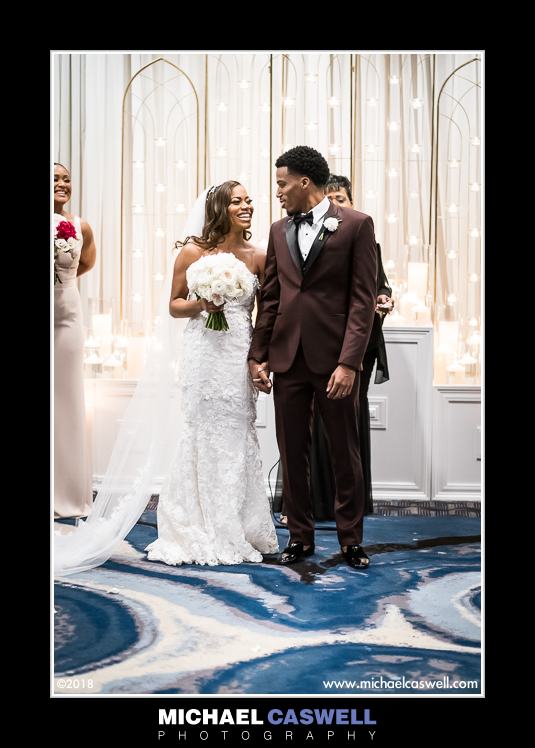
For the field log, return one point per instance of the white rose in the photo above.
(205, 292)
(231, 277)
(331, 224)
(62, 245)
(219, 287)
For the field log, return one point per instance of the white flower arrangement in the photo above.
(331, 224)
(219, 278)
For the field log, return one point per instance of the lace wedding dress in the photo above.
(213, 507)
(191, 424)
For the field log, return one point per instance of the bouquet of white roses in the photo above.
(219, 278)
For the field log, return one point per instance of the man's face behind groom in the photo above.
(292, 191)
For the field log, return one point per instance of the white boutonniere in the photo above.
(331, 224)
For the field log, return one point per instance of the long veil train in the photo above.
(145, 444)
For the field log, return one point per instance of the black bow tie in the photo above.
(303, 218)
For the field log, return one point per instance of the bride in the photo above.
(189, 431)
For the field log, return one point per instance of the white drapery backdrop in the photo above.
(371, 115)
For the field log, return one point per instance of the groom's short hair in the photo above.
(306, 162)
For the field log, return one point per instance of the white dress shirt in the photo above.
(307, 233)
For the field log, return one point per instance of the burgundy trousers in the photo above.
(293, 393)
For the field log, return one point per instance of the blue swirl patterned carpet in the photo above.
(139, 627)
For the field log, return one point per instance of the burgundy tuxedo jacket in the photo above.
(327, 303)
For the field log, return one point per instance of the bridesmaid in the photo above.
(74, 254)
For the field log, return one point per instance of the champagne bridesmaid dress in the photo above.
(72, 474)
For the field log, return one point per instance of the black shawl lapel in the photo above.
(291, 240)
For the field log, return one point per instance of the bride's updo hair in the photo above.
(216, 220)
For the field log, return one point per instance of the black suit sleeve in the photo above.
(382, 280)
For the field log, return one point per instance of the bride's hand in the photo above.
(260, 375)
(209, 306)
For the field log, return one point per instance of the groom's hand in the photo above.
(340, 383)
(260, 375)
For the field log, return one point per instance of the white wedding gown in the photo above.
(213, 507)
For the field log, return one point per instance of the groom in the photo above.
(315, 316)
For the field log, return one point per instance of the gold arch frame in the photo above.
(434, 178)
(123, 107)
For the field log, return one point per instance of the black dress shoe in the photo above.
(294, 552)
(356, 557)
